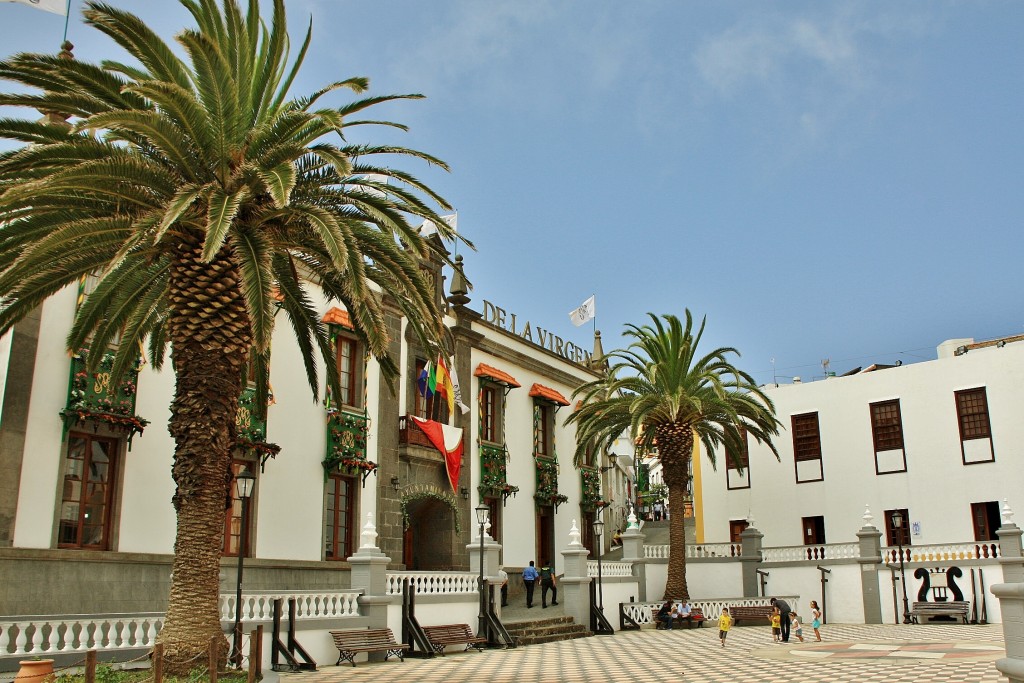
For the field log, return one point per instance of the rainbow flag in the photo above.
(444, 383)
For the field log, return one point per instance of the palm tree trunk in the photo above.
(211, 339)
(675, 587)
(675, 446)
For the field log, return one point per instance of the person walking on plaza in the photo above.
(724, 622)
(547, 582)
(530, 580)
(503, 575)
(797, 628)
(816, 620)
(783, 607)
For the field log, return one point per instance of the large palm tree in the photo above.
(207, 198)
(667, 396)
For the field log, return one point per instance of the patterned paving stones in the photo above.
(928, 653)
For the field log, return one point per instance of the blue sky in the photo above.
(834, 180)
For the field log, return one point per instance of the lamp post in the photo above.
(244, 484)
(482, 513)
(598, 530)
(897, 523)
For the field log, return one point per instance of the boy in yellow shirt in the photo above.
(724, 622)
(776, 620)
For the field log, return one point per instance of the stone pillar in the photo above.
(750, 556)
(574, 588)
(1011, 597)
(633, 551)
(370, 572)
(870, 556)
(492, 551)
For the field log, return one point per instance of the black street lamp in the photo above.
(482, 513)
(897, 523)
(598, 530)
(244, 483)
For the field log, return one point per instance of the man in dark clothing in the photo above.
(547, 582)
(784, 609)
(529, 580)
(665, 616)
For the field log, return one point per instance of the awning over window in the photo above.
(548, 394)
(337, 316)
(496, 375)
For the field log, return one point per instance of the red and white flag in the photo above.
(56, 6)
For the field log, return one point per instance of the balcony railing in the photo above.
(411, 435)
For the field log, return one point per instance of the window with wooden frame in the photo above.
(734, 478)
(975, 426)
(339, 511)
(543, 439)
(233, 531)
(87, 497)
(813, 530)
(737, 527)
(986, 520)
(887, 437)
(893, 534)
(433, 408)
(807, 448)
(348, 355)
(490, 412)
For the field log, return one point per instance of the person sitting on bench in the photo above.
(665, 615)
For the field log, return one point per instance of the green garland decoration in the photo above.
(446, 498)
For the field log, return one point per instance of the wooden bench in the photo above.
(951, 608)
(695, 620)
(453, 634)
(756, 613)
(353, 641)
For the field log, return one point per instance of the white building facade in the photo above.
(88, 483)
(941, 441)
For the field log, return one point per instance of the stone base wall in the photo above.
(39, 582)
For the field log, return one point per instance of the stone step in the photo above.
(543, 632)
(535, 623)
(535, 640)
(546, 630)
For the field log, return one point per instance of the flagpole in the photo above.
(67, 18)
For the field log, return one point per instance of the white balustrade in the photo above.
(643, 612)
(433, 583)
(948, 552)
(260, 606)
(610, 569)
(656, 552)
(50, 635)
(811, 553)
(713, 550)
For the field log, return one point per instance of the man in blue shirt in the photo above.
(530, 579)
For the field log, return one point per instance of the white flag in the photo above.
(56, 6)
(585, 312)
(458, 390)
(428, 227)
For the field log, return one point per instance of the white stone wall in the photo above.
(937, 488)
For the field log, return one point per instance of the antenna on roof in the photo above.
(825, 363)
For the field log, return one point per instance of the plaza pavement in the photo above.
(930, 653)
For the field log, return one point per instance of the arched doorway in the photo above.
(431, 525)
